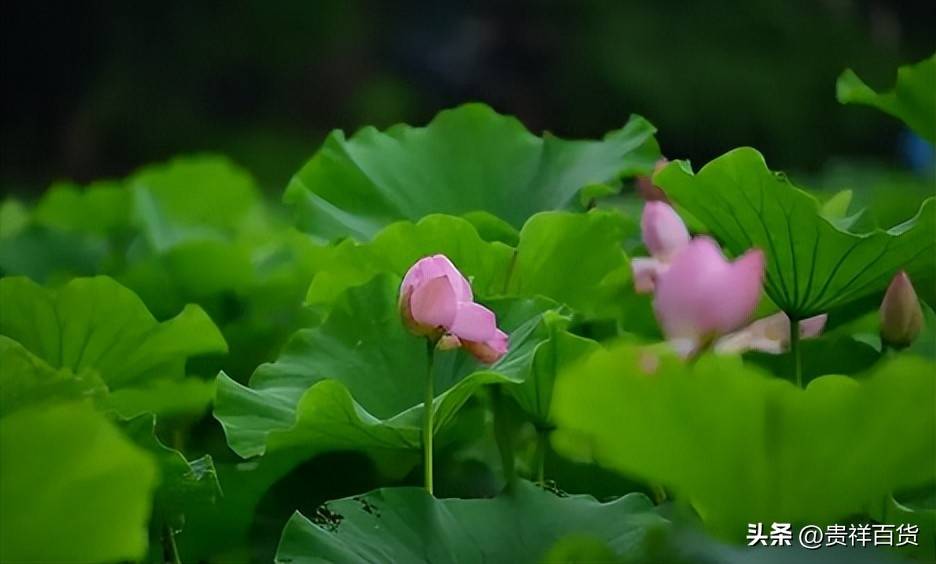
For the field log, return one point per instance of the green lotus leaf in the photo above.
(357, 381)
(400, 245)
(221, 531)
(467, 159)
(74, 489)
(912, 100)
(828, 354)
(208, 237)
(70, 232)
(14, 217)
(408, 525)
(886, 195)
(493, 228)
(28, 380)
(102, 208)
(192, 197)
(163, 397)
(548, 260)
(49, 255)
(813, 264)
(743, 447)
(196, 215)
(558, 350)
(923, 515)
(95, 330)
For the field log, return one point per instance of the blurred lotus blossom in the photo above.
(770, 334)
(901, 315)
(702, 295)
(664, 235)
(436, 302)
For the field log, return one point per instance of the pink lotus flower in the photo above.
(770, 334)
(436, 302)
(702, 295)
(901, 314)
(664, 234)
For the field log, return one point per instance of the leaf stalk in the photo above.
(796, 351)
(542, 438)
(502, 434)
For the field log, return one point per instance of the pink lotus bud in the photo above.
(770, 334)
(647, 189)
(664, 232)
(436, 302)
(430, 293)
(702, 295)
(901, 315)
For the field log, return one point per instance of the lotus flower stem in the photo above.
(427, 418)
(502, 434)
(542, 438)
(170, 550)
(659, 493)
(796, 351)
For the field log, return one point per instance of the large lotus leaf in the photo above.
(813, 264)
(408, 525)
(27, 380)
(912, 100)
(357, 381)
(547, 261)
(73, 489)
(467, 159)
(744, 447)
(95, 328)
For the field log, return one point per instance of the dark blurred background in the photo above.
(96, 89)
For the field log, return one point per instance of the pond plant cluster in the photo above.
(535, 349)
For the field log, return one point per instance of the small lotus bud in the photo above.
(901, 315)
(664, 232)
